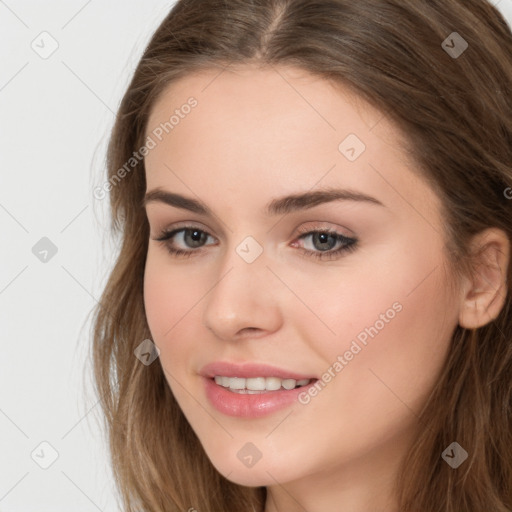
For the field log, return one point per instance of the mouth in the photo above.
(251, 390)
(259, 385)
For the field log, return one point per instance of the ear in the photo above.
(484, 293)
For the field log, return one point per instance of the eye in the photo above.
(323, 244)
(326, 244)
(184, 241)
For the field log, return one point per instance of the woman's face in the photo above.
(287, 279)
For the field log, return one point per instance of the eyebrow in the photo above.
(278, 206)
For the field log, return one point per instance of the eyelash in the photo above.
(350, 244)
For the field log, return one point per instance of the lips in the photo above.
(244, 403)
(250, 370)
(258, 384)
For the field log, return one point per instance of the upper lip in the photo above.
(248, 370)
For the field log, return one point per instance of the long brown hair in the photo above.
(456, 111)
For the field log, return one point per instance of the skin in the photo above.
(262, 133)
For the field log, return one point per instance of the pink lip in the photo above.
(248, 370)
(250, 405)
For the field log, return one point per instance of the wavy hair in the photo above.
(457, 117)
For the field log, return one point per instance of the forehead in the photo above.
(262, 101)
(256, 130)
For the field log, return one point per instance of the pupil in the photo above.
(324, 241)
(194, 237)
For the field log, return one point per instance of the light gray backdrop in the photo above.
(64, 67)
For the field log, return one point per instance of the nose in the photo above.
(241, 302)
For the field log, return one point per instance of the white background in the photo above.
(55, 117)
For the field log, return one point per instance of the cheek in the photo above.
(172, 299)
(159, 300)
(393, 324)
(169, 298)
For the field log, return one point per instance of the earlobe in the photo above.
(484, 292)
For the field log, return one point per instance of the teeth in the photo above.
(236, 383)
(272, 383)
(289, 383)
(255, 385)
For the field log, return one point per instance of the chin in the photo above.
(259, 474)
(249, 479)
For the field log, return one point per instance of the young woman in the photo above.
(314, 200)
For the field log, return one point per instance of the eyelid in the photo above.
(178, 226)
(306, 227)
(313, 226)
(349, 243)
(349, 240)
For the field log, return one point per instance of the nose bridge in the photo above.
(240, 297)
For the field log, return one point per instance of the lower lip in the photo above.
(244, 405)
